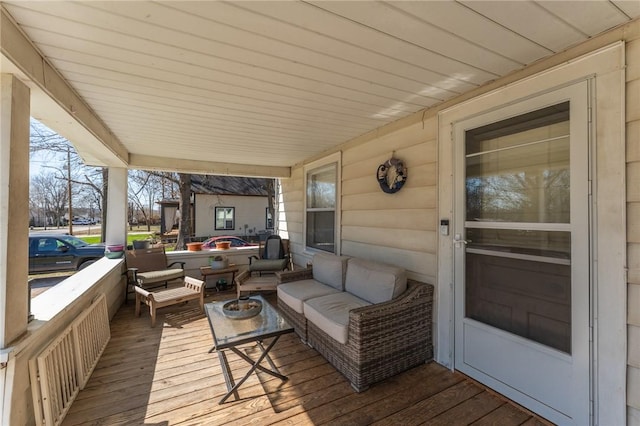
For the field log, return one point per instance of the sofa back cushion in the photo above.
(330, 269)
(373, 281)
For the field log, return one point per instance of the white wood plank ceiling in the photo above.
(272, 83)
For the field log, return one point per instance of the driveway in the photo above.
(41, 283)
(77, 230)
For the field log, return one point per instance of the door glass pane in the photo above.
(527, 298)
(508, 186)
(518, 279)
(550, 244)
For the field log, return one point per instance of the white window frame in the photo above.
(215, 219)
(330, 159)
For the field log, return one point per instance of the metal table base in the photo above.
(232, 387)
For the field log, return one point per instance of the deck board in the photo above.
(165, 376)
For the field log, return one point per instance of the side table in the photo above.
(245, 282)
(206, 272)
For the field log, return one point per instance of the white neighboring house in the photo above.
(223, 205)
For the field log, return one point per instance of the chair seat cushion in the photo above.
(173, 295)
(159, 276)
(295, 293)
(330, 313)
(268, 265)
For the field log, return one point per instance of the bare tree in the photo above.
(50, 194)
(84, 184)
(183, 181)
(184, 227)
(144, 190)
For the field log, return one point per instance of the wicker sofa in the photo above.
(366, 318)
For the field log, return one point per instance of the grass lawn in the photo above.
(93, 239)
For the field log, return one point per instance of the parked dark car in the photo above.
(52, 253)
(235, 242)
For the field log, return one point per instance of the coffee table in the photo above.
(229, 333)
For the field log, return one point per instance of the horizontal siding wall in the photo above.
(290, 213)
(400, 228)
(392, 228)
(633, 227)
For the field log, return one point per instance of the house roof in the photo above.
(254, 88)
(228, 185)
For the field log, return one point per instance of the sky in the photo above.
(40, 160)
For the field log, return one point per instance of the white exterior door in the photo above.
(522, 252)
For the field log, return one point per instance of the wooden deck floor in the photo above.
(165, 376)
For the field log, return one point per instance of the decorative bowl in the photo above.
(115, 254)
(242, 308)
(141, 244)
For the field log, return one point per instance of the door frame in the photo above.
(604, 71)
(557, 366)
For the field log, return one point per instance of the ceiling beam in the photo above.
(55, 102)
(148, 162)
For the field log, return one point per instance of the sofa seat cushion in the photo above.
(295, 293)
(373, 281)
(330, 269)
(330, 313)
(159, 276)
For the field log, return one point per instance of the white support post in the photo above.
(116, 232)
(14, 228)
(14, 208)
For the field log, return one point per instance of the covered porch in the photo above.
(165, 376)
(291, 90)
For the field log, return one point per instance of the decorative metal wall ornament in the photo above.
(392, 175)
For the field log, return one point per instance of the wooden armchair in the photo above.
(148, 268)
(191, 290)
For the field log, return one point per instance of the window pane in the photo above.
(224, 218)
(320, 230)
(321, 187)
(519, 177)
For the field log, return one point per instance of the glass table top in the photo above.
(228, 332)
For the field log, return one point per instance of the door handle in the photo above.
(458, 241)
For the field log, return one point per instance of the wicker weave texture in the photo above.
(288, 276)
(384, 339)
(298, 321)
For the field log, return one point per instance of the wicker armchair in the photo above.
(384, 338)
